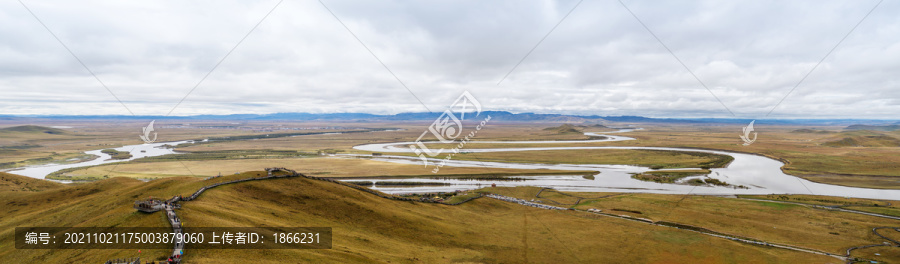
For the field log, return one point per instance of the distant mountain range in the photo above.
(871, 127)
(496, 116)
(32, 129)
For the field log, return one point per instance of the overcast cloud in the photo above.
(598, 61)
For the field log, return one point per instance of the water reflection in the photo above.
(137, 151)
(760, 174)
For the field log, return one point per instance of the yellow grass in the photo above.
(16, 183)
(321, 166)
(368, 229)
(773, 222)
(808, 154)
(662, 159)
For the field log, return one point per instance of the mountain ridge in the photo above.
(502, 116)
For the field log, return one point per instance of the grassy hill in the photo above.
(367, 229)
(32, 129)
(103, 203)
(815, 131)
(14, 183)
(861, 139)
(565, 129)
(575, 129)
(875, 128)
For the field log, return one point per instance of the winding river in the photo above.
(137, 151)
(761, 175)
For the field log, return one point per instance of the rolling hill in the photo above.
(14, 183)
(565, 129)
(862, 138)
(367, 229)
(575, 129)
(874, 128)
(32, 129)
(814, 131)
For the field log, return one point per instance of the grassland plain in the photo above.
(351, 167)
(651, 158)
(879, 207)
(316, 166)
(872, 162)
(804, 153)
(815, 153)
(514, 234)
(35, 140)
(671, 176)
(826, 230)
(368, 229)
(807, 154)
(778, 223)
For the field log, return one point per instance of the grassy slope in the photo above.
(104, 203)
(368, 229)
(862, 139)
(15, 183)
(101, 203)
(32, 129)
(565, 129)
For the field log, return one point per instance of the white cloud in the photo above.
(598, 61)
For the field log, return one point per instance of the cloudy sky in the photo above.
(599, 60)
